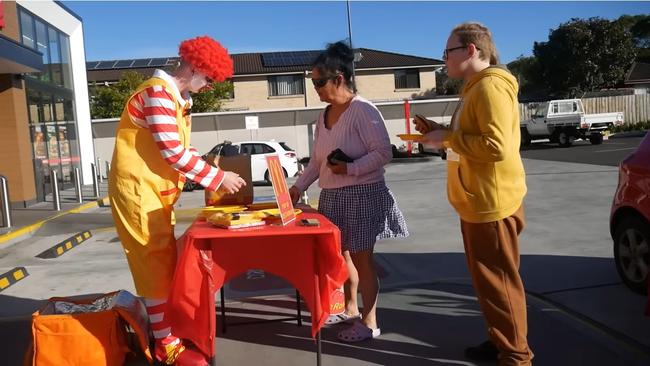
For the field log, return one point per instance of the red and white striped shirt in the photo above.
(155, 109)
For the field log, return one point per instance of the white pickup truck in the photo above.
(563, 121)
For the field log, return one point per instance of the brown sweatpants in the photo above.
(492, 252)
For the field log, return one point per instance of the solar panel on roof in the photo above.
(91, 64)
(281, 59)
(157, 62)
(105, 65)
(123, 63)
(141, 62)
(172, 61)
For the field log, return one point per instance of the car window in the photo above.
(541, 110)
(247, 149)
(229, 150)
(285, 147)
(566, 107)
(266, 149)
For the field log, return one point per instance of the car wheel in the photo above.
(268, 179)
(564, 139)
(596, 139)
(632, 252)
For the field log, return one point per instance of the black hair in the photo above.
(337, 58)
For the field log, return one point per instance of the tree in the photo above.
(528, 73)
(446, 85)
(211, 101)
(583, 55)
(107, 101)
(639, 27)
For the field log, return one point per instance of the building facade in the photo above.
(44, 109)
(279, 80)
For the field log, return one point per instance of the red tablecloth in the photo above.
(308, 257)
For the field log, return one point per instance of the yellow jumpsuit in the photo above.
(142, 190)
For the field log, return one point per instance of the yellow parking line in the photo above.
(37, 225)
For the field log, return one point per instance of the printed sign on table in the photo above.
(280, 189)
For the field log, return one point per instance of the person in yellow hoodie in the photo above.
(486, 184)
(152, 159)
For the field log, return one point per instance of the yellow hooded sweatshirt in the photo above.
(485, 176)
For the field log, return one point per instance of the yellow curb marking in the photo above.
(33, 227)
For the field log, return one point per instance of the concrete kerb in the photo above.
(25, 232)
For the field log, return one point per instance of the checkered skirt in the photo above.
(364, 213)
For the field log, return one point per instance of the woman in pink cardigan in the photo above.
(354, 195)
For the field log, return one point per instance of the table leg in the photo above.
(223, 309)
(298, 311)
(318, 348)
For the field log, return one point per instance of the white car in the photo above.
(258, 150)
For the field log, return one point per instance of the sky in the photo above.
(129, 29)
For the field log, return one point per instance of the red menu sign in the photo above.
(280, 189)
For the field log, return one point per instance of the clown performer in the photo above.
(151, 161)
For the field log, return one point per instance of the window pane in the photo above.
(46, 107)
(257, 149)
(266, 149)
(566, 107)
(42, 47)
(55, 55)
(407, 79)
(285, 147)
(285, 85)
(66, 67)
(247, 149)
(27, 29)
(33, 104)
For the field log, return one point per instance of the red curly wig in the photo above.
(208, 57)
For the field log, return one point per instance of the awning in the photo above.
(17, 59)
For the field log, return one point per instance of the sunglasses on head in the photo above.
(319, 83)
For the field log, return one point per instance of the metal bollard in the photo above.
(304, 199)
(77, 186)
(56, 200)
(108, 168)
(4, 196)
(95, 184)
(99, 170)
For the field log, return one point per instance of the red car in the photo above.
(630, 219)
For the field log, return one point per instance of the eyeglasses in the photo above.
(447, 50)
(319, 83)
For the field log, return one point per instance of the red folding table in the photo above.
(308, 257)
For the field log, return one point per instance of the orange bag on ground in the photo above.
(84, 332)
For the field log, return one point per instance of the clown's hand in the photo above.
(232, 183)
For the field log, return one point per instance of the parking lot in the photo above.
(579, 311)
(610, 152)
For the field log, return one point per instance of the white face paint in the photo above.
(198, 82)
